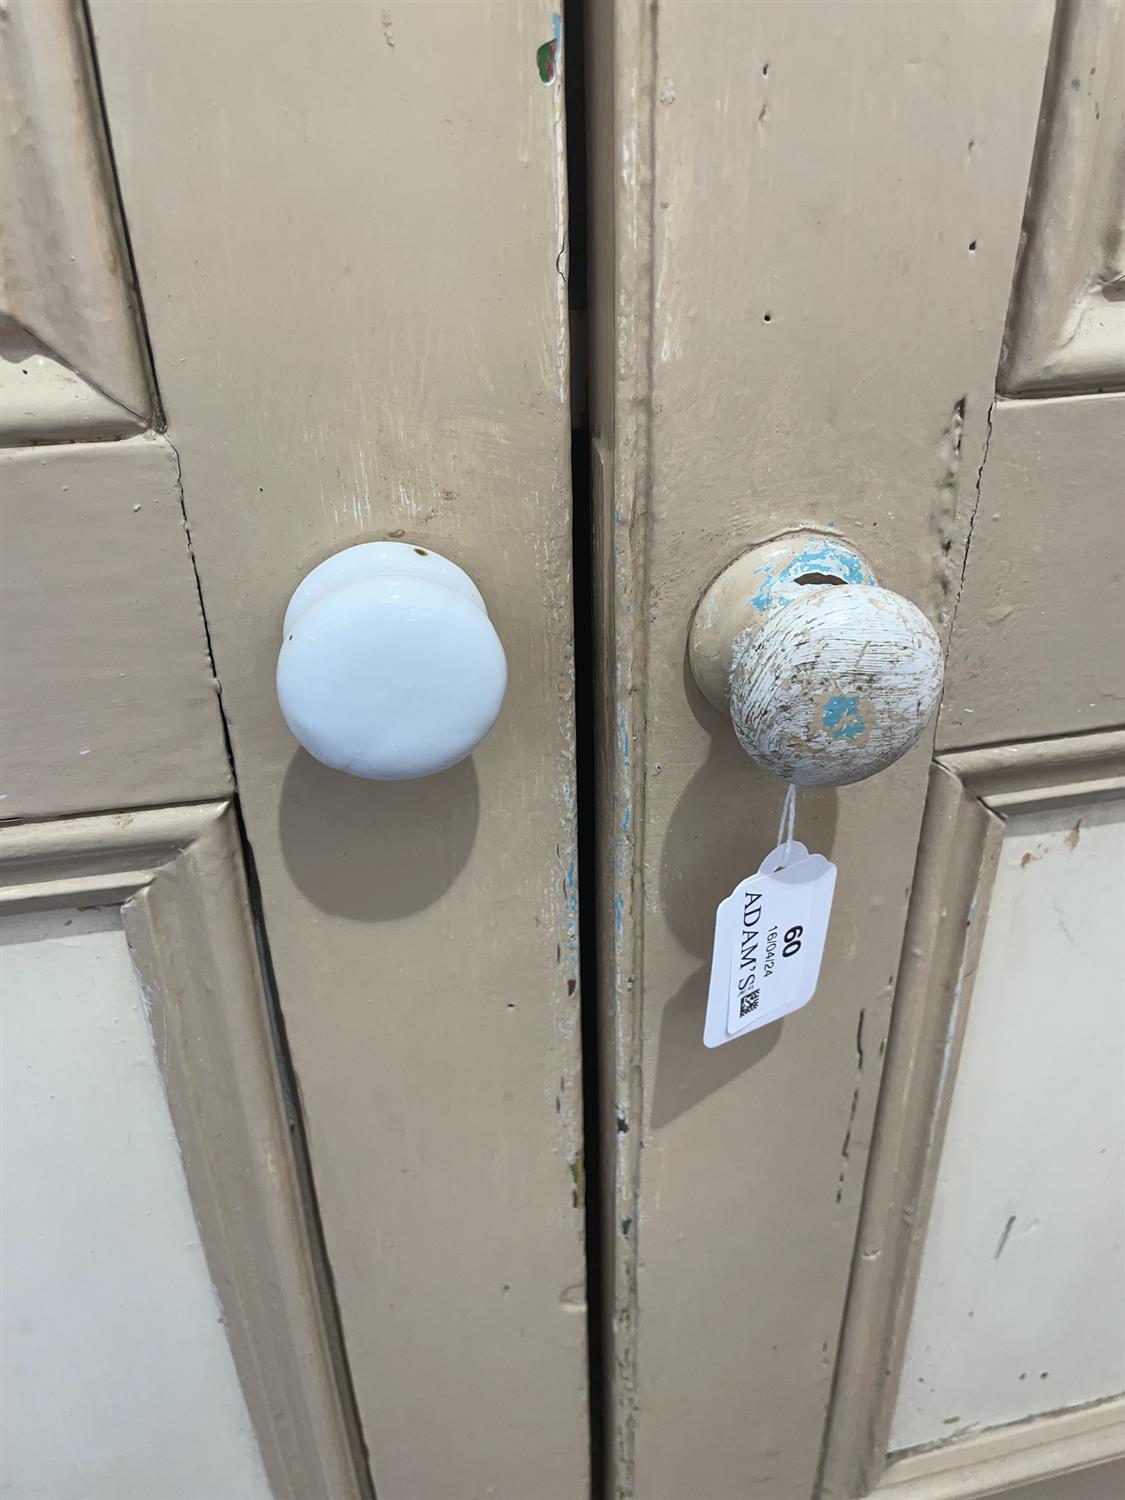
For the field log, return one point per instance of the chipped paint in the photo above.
(577, 1167)
(842, 718)
(827, 677)
(782, 569)
(944, 512)
(547, 56)
(836, 685)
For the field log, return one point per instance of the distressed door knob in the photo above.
(390, 667)
(827, 677)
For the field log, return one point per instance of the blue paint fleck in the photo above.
(841, 716)
(623, 736)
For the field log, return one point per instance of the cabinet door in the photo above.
(162, 1323)
(348, 227)
(806, 225)
(989, 1285)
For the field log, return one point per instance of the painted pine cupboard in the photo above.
(277, 281)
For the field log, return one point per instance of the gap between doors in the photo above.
(585, 681)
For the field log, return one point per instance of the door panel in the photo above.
(1066, 330)
(1034, 1147)
(1046, 585)
(977, 1094)
(72, 362)
(110, 701)
(1105, 1482)
(1000, 868)
(806, 223)
(1046, 582)
(350, 235)
(170, 1331)
(74, 1020)
(170, 993)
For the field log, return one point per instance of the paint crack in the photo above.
(975, 509)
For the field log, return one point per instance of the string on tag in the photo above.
(786, 827)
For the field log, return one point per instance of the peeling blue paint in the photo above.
(821, 555)
(841, 716)
(828, 556)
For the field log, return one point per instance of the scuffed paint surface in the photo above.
(836, 686)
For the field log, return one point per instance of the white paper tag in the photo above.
(769, 941)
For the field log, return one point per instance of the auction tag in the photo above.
(769, 941)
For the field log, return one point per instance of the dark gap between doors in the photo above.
(574, 79)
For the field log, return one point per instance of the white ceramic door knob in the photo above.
(390, 667)
(827, 677)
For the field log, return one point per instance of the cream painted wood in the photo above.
(108, 692)
(109, 706)
(1080, 1451)
(109, 695)
(1106, 1482)
(1020, 1304)
(176, 874)
(805, 227)
(357, 303)
(108, 1311)
(1066, 331)
(1048, 527)
(971, 794)
(72, 361)
(1045, 597)
(1072, 1448)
